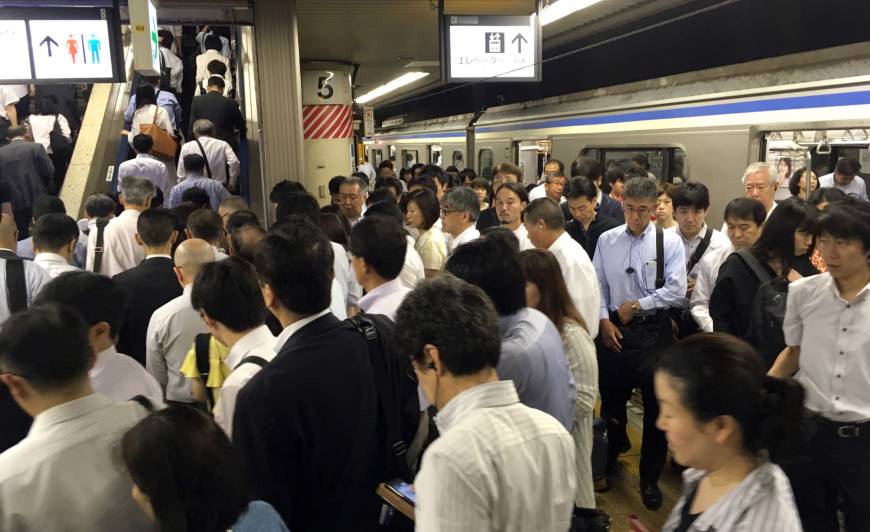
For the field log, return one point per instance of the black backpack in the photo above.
(165, 74)
(768, 310)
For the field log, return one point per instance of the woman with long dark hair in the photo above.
(187, 477)
(146, 106)
(723, 417)
(42, 123)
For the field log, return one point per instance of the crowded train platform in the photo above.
(248, 288)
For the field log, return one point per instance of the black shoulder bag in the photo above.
(98, 249)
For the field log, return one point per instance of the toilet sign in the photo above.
(492, 48)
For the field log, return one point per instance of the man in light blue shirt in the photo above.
(845, 177)
(165, 99)
(635, 324)
(532, 354)
(194, 164)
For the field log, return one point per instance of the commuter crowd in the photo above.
(170, 362)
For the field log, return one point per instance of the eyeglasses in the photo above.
(640, 211)
(445, 211)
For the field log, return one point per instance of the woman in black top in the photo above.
(786, 237)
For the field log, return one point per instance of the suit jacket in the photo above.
(225, 115)
(28, 171)
(306, 429)
(611, 208)
(487, 218)
(147, 287)
(589, 239)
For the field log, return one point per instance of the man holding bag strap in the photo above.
(222, 165)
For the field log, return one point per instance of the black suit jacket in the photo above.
(611, 208)
(589, 239)
(306, 428)
(225, 115)
(28, 171)
(147, 287)
(487, 218)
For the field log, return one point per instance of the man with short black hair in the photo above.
(169, 61)
(147, 166)
(592, 170)
(691, 201)
(194, 165)
(230, 206)
(586, 224)
(353, 193)
(41, 206)
(318, 386)
(227, 296)
(119, 250)
(196, 196)
(97, 205)
(846, 178)
(552, 167)
(460, 208)
(207, 225)
(211, 51)
(54, 241)
(151, 284)
(532, 354)
(546, 228)
(412, 269)
(63, 474)
(29, 172)
(334, 186)
(497, 464)
(222, 165)
(223, 112)
(377, 248)
(98, 300)
(642, 272)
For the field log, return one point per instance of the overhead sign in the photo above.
(368, 121)
(492, 48)
(144, 38)
(59, 45)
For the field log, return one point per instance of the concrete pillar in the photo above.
(279, 83)
(327, 123)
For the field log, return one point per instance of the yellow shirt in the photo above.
(218, 371)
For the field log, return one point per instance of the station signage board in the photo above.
(491, 48)
(60, 46)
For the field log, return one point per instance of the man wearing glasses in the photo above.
(641, 270)
(759, 183)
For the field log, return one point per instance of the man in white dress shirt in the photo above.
(227, 295)
(54, 241)
(147, 166)
(553, 167)
(34, 277)
(412, 270)
(377, 247)
(101, 304)
(353, 193)
(760, 181)
(497, 464)
(460, 208)
(174, 326)
(120, 252)
(846, 178)
(170, 60)
(691, 201)
(744, 218)
(219, 156)
(62, 476)
(510, 202)
(546, 227)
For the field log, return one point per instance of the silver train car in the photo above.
(793, 111)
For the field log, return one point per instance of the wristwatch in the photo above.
(635, 308)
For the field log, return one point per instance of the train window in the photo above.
(457, 160)
(666, 164)
(485, 161)
(409, 158)
(435, 154)
(378, 157)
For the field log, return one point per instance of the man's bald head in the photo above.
(190, 256)
(8, 233)
(245, 239)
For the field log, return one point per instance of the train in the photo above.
(794, 111)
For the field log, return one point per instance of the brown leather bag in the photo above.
(164, 143)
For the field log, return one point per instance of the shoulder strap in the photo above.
(207, 166)
(660, 257)
(754, 265)
(699, 251)
(16, 285)
(156, 109)
(253, 359)
(98, 249)
(144, 401)
(201, 346)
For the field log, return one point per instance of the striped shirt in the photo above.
(497, 466)
(580, 352)
(763, 501)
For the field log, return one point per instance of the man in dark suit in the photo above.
(223, 112)
(592, 170)
(151, 284)
(28, 171)
(306, 424)
(585, 222)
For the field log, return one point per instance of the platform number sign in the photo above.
(324, 89)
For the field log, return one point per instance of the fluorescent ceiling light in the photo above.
(563, 8)
(389, 87)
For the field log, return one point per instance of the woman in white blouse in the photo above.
(546, 291)
(42, 124)
(146, 106)
(722, 416)
(421, 212)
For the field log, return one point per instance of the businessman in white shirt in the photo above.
(222, 165)
(147, 166)
(120, 251)
(54, 241)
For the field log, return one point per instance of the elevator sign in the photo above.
(492, 48)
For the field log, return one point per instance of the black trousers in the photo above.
(619, 374)
(832, 471)
(23, 218)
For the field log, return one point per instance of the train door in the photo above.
(485, 162)
(376, 156)
(410, 158)
(457, 159)
(531, 156)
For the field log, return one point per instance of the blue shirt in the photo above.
(165, 99)
(260, 517)
(216, 192)
(626, 268)
(533, 357)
